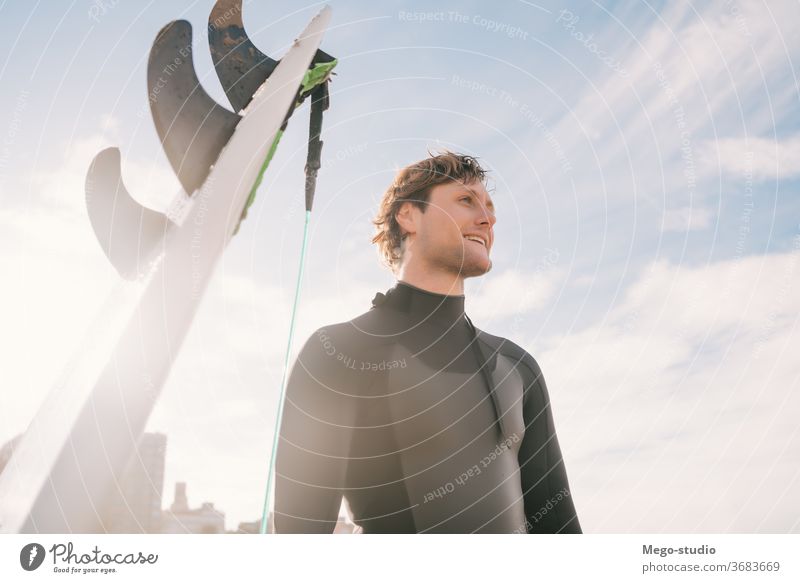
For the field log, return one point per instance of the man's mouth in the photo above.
(476, 238)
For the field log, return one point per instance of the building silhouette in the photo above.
(135, 505)
(181, 519)
(343, 526)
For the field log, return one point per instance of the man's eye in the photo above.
(466, 198)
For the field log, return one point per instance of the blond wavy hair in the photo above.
(414, 184)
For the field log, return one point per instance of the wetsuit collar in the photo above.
(421, 302)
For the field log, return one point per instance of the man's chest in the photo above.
(453, 398)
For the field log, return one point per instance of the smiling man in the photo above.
(421, 421)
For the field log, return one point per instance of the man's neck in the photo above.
(433, 281)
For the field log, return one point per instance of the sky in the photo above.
(644, 161)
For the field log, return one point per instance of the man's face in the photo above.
(455, 213)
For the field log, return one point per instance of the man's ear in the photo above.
(405, 217)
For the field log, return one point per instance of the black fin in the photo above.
(240, 66)
(193, 128)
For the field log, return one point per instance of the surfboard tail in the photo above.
(193, 129)
(240, 65)
(75, 450)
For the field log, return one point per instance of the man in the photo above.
(421, 421)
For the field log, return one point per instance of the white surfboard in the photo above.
(90, 422)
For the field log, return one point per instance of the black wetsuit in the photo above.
(393, 410)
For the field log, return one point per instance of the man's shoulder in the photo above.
(511, 350)
(343, 339)
(359, 330)
(535, 392)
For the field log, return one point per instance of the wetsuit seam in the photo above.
(550, 429)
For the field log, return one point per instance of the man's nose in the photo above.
(487, 216)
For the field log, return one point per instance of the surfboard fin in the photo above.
(127, 231)
(241, 67)
(193, 128)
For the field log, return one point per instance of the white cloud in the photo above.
(623, 135)
(756, 158)
(687, 219)
(511, 292)
(678, 412)
(61, 188)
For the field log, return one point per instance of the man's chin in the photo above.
(466, 266)
(476, 268)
